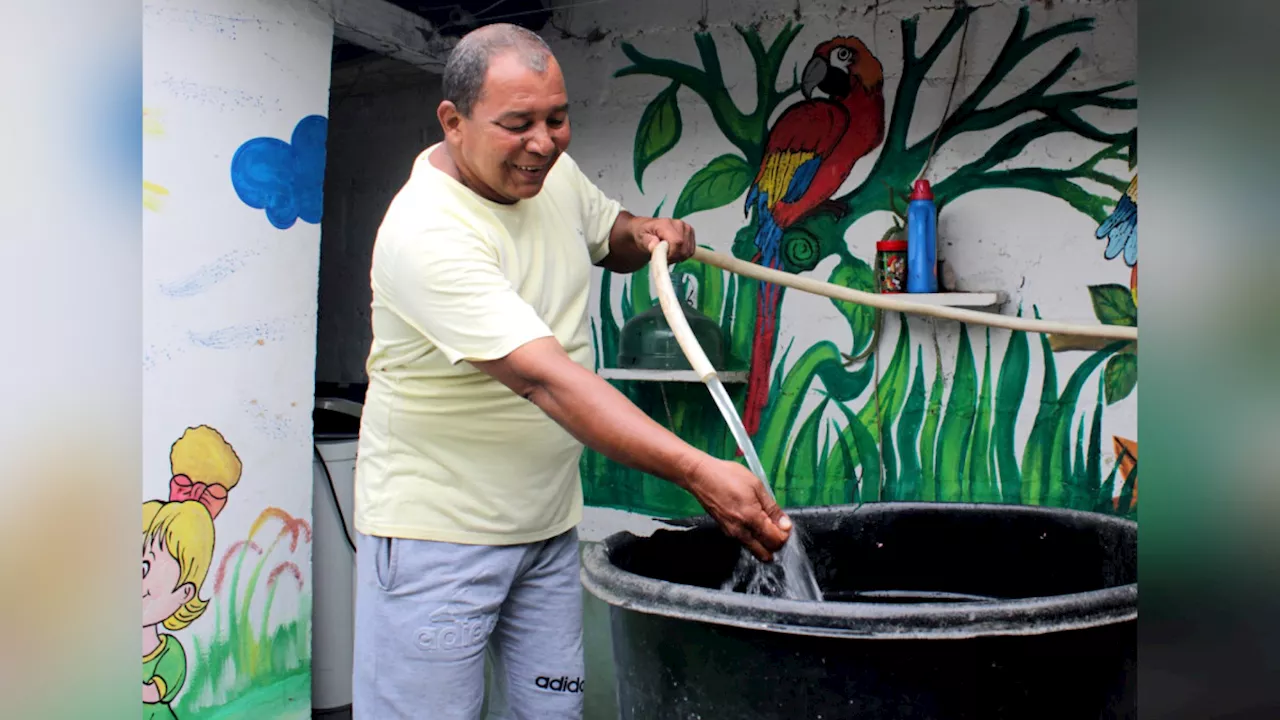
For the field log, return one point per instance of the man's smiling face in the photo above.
(518, 127)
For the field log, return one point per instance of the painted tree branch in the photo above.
(709, 86)
(767, 68)
(746, 131)
(914, 70)
(979, 175)
(899, 163)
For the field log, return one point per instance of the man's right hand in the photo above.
(741, 504)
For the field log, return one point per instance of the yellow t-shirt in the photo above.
(446, 452)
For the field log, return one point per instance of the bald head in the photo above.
(468, 63)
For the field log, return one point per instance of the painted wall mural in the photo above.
(246, 651)
(234, 95)
(884, 427)
(153, 194)
(177, 551)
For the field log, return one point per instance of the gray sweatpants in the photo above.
(427, 611)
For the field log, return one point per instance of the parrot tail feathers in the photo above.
(762, 345)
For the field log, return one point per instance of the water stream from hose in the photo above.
(790, 575)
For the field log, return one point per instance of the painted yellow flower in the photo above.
(152, 193)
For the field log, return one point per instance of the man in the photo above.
(480, 401)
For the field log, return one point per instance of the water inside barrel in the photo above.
(903, 597)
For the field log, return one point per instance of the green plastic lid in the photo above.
(646, 341)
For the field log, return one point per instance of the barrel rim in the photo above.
(625, 590)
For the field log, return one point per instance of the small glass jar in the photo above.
(891, 266)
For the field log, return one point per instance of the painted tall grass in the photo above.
(912, 436)
(256, 664)
(924, 439)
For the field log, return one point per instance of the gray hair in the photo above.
(468, 62)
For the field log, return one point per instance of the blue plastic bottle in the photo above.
(922, 240)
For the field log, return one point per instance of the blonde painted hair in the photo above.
(185, 528)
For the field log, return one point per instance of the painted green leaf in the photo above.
(1075, 486)
(840, 383)
(893, 385)
(856, 274)
(744, 241)
(1093, 469)
(640, 299)
(929, 434)
(709, 299)
(1120, 377)
(797, 481)
(1035, 454)
(1126, 492)
(979, 477)
(1010, 389)
(892, 392)
(727, 314)
(1106, 494)
(627, 309)
(957, 423)
(821, 361)
(608, 326)
(889, 459)
(595, 345)
(910, 476)
(1113, 304)
(659, 131)
(721, 182)
(824, 460)
(868, 455)
(991, 464)
(1060, 452)
(777, 420)
(838, 488)
(744, 313)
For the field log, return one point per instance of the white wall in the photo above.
(230, 310)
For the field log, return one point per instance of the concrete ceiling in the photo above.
(454, 18)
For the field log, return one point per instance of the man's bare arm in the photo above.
(603, 419)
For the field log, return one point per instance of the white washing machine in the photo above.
(333, 557)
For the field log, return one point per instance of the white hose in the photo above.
(890, 302)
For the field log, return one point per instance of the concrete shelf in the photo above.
(667, 375)
(956, 299)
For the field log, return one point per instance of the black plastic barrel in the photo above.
(934, 611)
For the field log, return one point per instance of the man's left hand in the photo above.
(678, 235)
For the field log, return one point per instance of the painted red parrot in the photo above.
(810, 151)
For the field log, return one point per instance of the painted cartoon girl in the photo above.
(177, 549)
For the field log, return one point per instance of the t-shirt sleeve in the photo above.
(599, 213)
(449, 285)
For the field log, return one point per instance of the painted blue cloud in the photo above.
(285, 179)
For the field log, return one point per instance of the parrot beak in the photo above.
(814, 73)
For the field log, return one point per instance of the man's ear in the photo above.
(450, 118)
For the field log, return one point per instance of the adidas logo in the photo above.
(561, 684)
